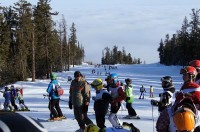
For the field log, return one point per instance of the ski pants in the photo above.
(80, 113)
(131, 111)
(54, 108)
(13, 103)
(114, 120)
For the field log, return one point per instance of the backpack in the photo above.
(58, 90)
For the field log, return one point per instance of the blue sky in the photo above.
(136, 25)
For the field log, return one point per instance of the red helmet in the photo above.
(196, 64)
(188, 70)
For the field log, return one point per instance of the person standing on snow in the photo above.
(7, 102)
(142, 91)
(118, 95)
(101, 102)
(151, 92)
(190, 87)
(13, 96)
(129, 99)
(54, 100)
(79, 98)
(21, 100)
(167, 94)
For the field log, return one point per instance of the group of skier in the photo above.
(113, 93)
(182, 115)
(11, 94)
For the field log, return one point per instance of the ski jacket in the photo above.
(79, 93)
(117, 93)
(7, 96)
(129, 93)
(151, 89)
(194, 90)
(51, 89)
(20, 96)
(13, 93)
(142, 89)
(166, 97)
(102, 100)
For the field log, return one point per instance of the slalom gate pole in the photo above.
(152, 118)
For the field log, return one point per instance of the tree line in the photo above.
(33, 45)
(115, 56)
(184, 46)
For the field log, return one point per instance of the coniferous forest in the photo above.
(184, 45)
(33, 45)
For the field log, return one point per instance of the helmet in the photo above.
(189, 70)
(184, 119)
(196, 64)
(53, 76)
(77, 74)
(166, 81)
(92, 128)
(97, 83)
(12, 86)
(128, 81)
(7, 88)
(114, 78)
(185, 114)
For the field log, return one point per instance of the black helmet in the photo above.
(166, 81)
(77, 74)
(128, 81)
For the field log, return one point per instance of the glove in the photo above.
(127, 98)
(70, 104)
(154, 102)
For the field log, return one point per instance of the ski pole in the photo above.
(152, 118)
(46, 95)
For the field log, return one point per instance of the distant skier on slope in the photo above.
(142, 91)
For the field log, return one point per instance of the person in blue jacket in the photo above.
(54, 100)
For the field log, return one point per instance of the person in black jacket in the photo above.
(102, 100)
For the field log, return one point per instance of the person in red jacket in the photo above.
(190, 87)
(118, 95)
(196, 65)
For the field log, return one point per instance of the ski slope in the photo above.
(145, 74)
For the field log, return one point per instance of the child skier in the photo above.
(7, 102)
(142, 91)
(102, 100)
(13, 96)
(129, 99)
(151, 92)
(118, 95)
(20, 98)
(167, 95)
